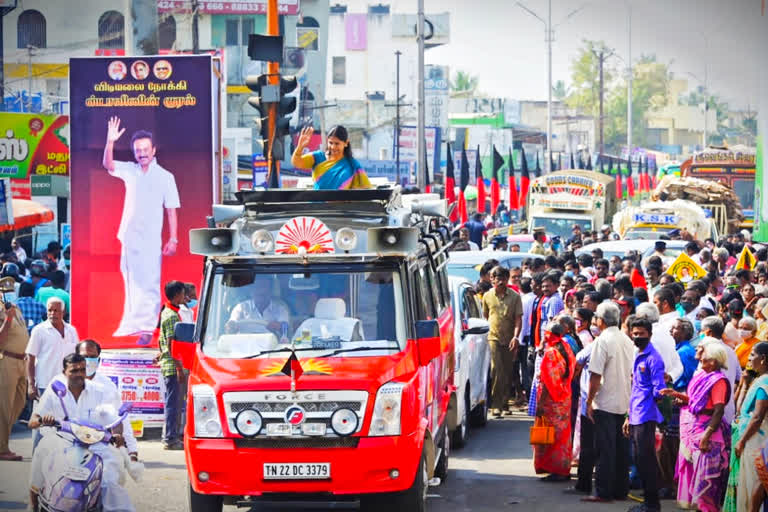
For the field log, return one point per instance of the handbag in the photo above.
(542, 432)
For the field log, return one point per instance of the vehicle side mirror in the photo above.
(59, 388)
(427, 340)
(183, 346)
(476, 326)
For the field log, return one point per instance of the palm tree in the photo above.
(464, 83)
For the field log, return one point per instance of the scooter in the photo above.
(73, 474)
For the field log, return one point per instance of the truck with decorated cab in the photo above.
(559, 200)
(322, 360)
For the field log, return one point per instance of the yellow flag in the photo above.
(684, 269)
(746, 260)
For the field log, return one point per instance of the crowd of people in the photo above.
(38, 346)
(645, 382)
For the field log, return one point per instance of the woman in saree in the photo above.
(553, 403)
(748, 377)
(702, 462)
(334, 168)
(753, 428)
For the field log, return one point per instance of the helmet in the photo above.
(37, 268)
(10, 269)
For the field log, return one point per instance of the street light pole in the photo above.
(421, 142)
(549, 36)
(550, 33)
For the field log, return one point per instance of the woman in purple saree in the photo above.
(702, 463)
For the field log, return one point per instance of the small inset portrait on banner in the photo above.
(163, 69)
(140, 70)
(117, 70)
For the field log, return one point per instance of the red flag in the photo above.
(480, 182)
(463, 216)
(293, 369)
(514, 203)
(525, 180)
(630, 180)
(450, 184)
(619, 188)
(498, 163)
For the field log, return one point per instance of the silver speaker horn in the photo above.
(392, 240)
(213, 241)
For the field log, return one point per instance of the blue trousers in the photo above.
(171, 409)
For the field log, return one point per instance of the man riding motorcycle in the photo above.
(84, 401)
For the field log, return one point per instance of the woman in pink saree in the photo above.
(702, 462)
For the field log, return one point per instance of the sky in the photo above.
(504, 46)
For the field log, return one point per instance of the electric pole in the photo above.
(195, 29)
(601, 56)
(420, 132)
(397, 116)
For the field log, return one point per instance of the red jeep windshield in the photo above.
(249, 313)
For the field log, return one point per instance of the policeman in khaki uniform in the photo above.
(537, 247)
(503, 308)
(13, 376)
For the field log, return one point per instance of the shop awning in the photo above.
(27, 213)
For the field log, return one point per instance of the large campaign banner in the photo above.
(142, 176)
(33, 144)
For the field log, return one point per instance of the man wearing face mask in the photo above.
(689, 303)
(644, 414)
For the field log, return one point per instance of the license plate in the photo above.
(77, 473)
(298, 471)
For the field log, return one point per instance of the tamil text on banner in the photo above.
(684, 269)
(142, 147)
(33, 144)
(139, 382)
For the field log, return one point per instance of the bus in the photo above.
(733, 167)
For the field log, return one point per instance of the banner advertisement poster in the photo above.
(471, 159)
(284, 7)
(139, 381)
(260, 171)
(409, 146)
(33, 144)
(142, 147)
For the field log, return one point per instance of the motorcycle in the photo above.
(73, 474)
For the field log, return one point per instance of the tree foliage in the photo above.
(463, 82)
(585, 77)
(560, 90)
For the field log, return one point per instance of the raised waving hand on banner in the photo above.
(113, 129)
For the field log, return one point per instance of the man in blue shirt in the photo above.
(552, 304)
(476, 229)
(644, 414)
(682, 332)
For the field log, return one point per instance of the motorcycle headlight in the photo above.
(206, 412)
(248, 423)
(87, 435)
(344, 422)
(386, 410)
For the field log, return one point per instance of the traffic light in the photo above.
(265, 94)
(285, 108)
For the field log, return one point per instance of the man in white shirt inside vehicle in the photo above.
(149, 189)
(261, 308)
(82, 401)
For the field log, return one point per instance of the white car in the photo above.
(473, 362)
(643, 247)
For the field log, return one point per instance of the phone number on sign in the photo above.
(147, 396)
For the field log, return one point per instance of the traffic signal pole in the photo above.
(273, 78)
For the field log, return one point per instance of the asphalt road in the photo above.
(494, 472)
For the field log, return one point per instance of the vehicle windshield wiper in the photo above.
(276, 350)
(356, 349)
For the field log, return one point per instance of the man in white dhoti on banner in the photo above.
(149, 189)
